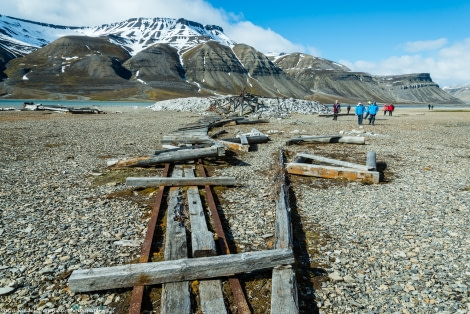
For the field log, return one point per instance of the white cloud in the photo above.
(448, 66)
(424, 45)
(264, 40)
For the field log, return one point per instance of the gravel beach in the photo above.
(398, 246)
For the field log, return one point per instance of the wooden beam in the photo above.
(327, 139)
(186, 139)
(172, 156)
(331, 172)
(176, 297)
(335, 162)
(94, 279)
(203, 244)
(371, 160)
(284, 297)
(161, 181)
(202, 240)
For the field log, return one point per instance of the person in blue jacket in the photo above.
(359, 113)
(373, 109)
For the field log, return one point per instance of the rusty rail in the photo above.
(238, 294)
(138, 291)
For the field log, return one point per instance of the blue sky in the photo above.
(378, 37)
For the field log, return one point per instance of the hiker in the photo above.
(359, 112)
(348, 108)
(373, 109)
(385, 109)
(429, 106)
(336, 110)
(391, 107)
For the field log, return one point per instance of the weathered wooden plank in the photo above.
(172, 156)
(283, 232)
(331, 172)
(174, 148)
(176, 297)
(157, 181)
(243, 139)
(284, 297)
(130, 275)
(328, 139)
(212, 297)
(335, 162)
(202, 240)
(203, 244)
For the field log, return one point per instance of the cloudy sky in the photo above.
(378, 37)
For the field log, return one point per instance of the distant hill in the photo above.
(162, 58)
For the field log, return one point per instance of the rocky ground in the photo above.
(397, 246)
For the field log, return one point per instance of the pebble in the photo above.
(397, 246)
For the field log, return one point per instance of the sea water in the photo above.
(18, 103)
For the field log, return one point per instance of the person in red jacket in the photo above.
(385, 109)
(391, 107)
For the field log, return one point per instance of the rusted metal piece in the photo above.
(239, 296)
(138, 291)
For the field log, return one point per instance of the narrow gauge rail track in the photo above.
(136, 302)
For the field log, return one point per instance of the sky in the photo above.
(377, 37)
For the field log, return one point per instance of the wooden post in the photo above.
(371, 161)
(83, 280)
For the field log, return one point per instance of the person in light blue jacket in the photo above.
(373, 109)
(359, 113)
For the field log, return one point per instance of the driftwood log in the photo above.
(94, 279)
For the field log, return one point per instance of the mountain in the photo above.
(161, 58)
(460, 92)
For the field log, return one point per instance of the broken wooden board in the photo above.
(331, 172)
(327, 139)
(186, 181)
(186, 139)
(335, 162)
(235, 146)
(94, 279)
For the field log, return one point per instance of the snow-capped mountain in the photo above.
(21, 37)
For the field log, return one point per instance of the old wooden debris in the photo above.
(171, 148)
(257, 139)
(335, 162)
(157, 181)
(371, 160)
(327, 139)
(203, 244)
(176, 295)
(284, 297)
(94, 279)
(332, 172)
(235, 146)
(202, 240)
(172, 156)
(186, 139)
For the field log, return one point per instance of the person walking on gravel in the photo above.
(373, 109)
(359, 113)
(336, 110)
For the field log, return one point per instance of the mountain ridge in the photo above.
(159, 58)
